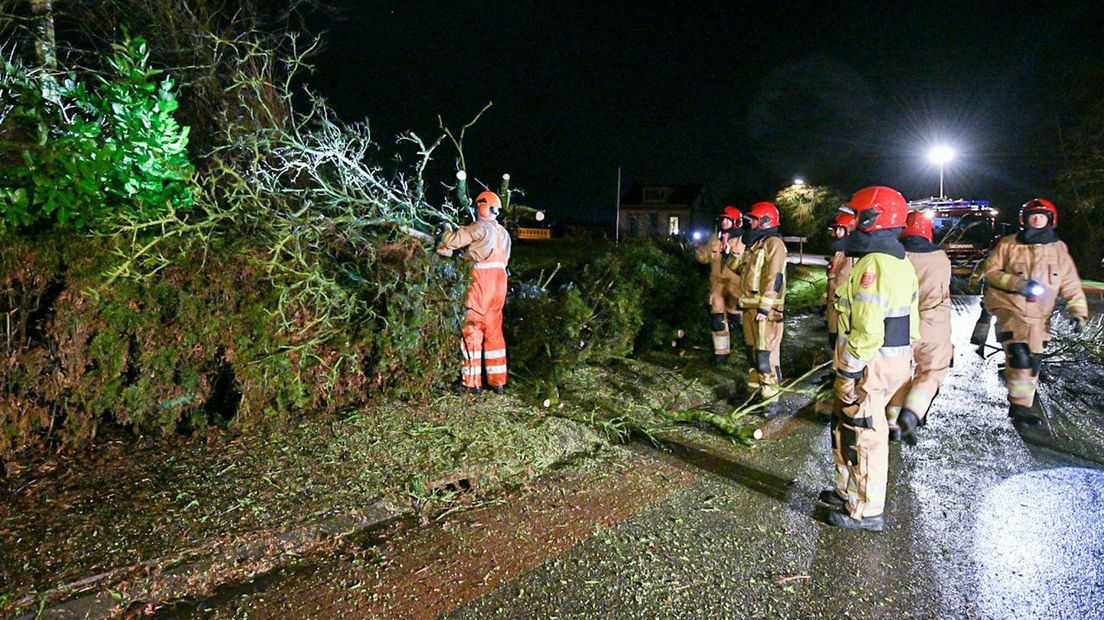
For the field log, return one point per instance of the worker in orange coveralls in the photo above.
(1024, 276)
(723, 255)
(488, 250)
(933, 352)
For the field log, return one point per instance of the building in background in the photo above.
(649, 211)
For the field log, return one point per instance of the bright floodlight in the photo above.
(799, 181)
(540, 216)
(697, 236)
(941, 155)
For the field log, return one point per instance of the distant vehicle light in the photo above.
(994, 212)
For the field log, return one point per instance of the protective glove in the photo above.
(1078, 323)
(846, 390)
(1032, 290)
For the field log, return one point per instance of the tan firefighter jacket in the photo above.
(763, 275)
(839, 268)
(1012, 264)
(481, 238)
(721, 266)
(933, 269)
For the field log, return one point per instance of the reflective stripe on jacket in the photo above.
(763, 275)
(878, 311)
(1012, 264)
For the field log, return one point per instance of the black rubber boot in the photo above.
(830, 497)
(458, 387)
(498, 389)
(844, 520)
(908, 422)
(1022, 414)
(720, 360)
(895, 434)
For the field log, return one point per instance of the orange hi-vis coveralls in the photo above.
(488, 249)
(723, 254)
(763, 291)
(932, 354)
(878, 319)
(839, 269)
(1023, 324)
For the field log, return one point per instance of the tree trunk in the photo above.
(43, 11)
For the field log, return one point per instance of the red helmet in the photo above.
(919, 224)
(731, 213)
(763, 212)
(878, 208)
(843, 220)
(487, 205)
(1039, 205)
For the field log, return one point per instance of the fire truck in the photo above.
(965, 229)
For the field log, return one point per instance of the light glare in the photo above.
(941, 155)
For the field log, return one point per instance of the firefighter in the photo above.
(1024, 276)
(762, 299)
(932, 354)
(723, 254)
(878, 320)
(839, 268)
(488, 250)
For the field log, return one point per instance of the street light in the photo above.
(941, 155)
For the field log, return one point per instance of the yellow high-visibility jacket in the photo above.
(878, 312)
(763, 275)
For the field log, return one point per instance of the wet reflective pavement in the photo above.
(981, 522)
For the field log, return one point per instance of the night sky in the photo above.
(740, 99)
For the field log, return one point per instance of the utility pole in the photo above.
(617, 221)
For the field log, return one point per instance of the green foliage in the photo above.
(195, 344)
(150, 166)
(805, 287)
(628, 298)
(806, 211)
(79, 157)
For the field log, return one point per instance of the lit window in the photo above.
(673, 225)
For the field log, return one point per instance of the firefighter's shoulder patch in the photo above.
(868, 279)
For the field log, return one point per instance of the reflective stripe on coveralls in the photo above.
(878, 319)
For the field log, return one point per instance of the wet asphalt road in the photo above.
(982, 522)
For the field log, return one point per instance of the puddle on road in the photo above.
(1039, 543)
